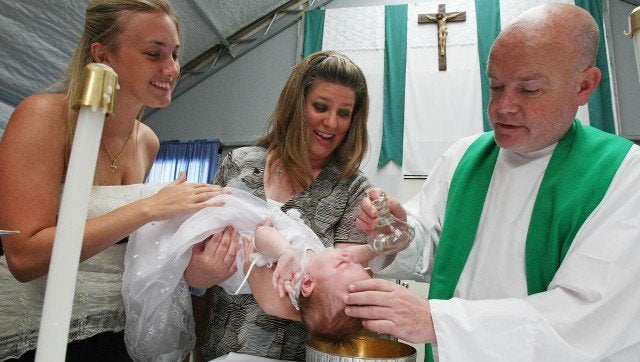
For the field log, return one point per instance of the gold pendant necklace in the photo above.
(115, 159)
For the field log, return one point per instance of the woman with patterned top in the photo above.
(309, 160)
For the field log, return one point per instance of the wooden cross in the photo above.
(441, 18)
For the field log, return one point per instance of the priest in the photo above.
(529, 235)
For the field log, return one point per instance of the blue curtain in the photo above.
(199, 159)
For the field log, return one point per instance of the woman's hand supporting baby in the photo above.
(213, 260)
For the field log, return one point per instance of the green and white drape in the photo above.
(416, 110)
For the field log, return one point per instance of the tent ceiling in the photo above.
(38, 37)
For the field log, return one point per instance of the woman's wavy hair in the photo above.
(287, 136)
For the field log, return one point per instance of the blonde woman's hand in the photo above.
(180, 198)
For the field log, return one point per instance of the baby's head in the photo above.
(323, 287)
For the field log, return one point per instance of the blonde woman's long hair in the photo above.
(104, 22)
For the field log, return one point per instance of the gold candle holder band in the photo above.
(99, 87)
(634, 21)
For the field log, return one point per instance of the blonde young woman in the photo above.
(139, 39)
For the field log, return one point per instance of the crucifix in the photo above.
(441, 18)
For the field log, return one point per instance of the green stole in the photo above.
(575, 181)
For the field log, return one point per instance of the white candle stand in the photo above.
(95, 102)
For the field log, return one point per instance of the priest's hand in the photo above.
(392, 309)
(213, 260)
(368, 214)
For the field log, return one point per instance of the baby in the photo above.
(159, 319)
(315, 278)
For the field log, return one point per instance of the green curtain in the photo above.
(488, 27)
(395, 64)
(600, 106)
(313, 29)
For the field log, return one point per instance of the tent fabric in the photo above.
(39, 37)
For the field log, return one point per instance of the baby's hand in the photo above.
(248, 248)
(286, 273)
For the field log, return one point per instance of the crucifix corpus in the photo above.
(441, 18)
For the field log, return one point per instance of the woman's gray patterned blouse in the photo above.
(329, 207)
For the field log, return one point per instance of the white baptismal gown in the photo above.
(157, 300)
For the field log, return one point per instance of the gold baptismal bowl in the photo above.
(364, 348)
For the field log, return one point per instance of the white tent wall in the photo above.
(235, 102)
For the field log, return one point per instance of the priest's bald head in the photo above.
(541, 69)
